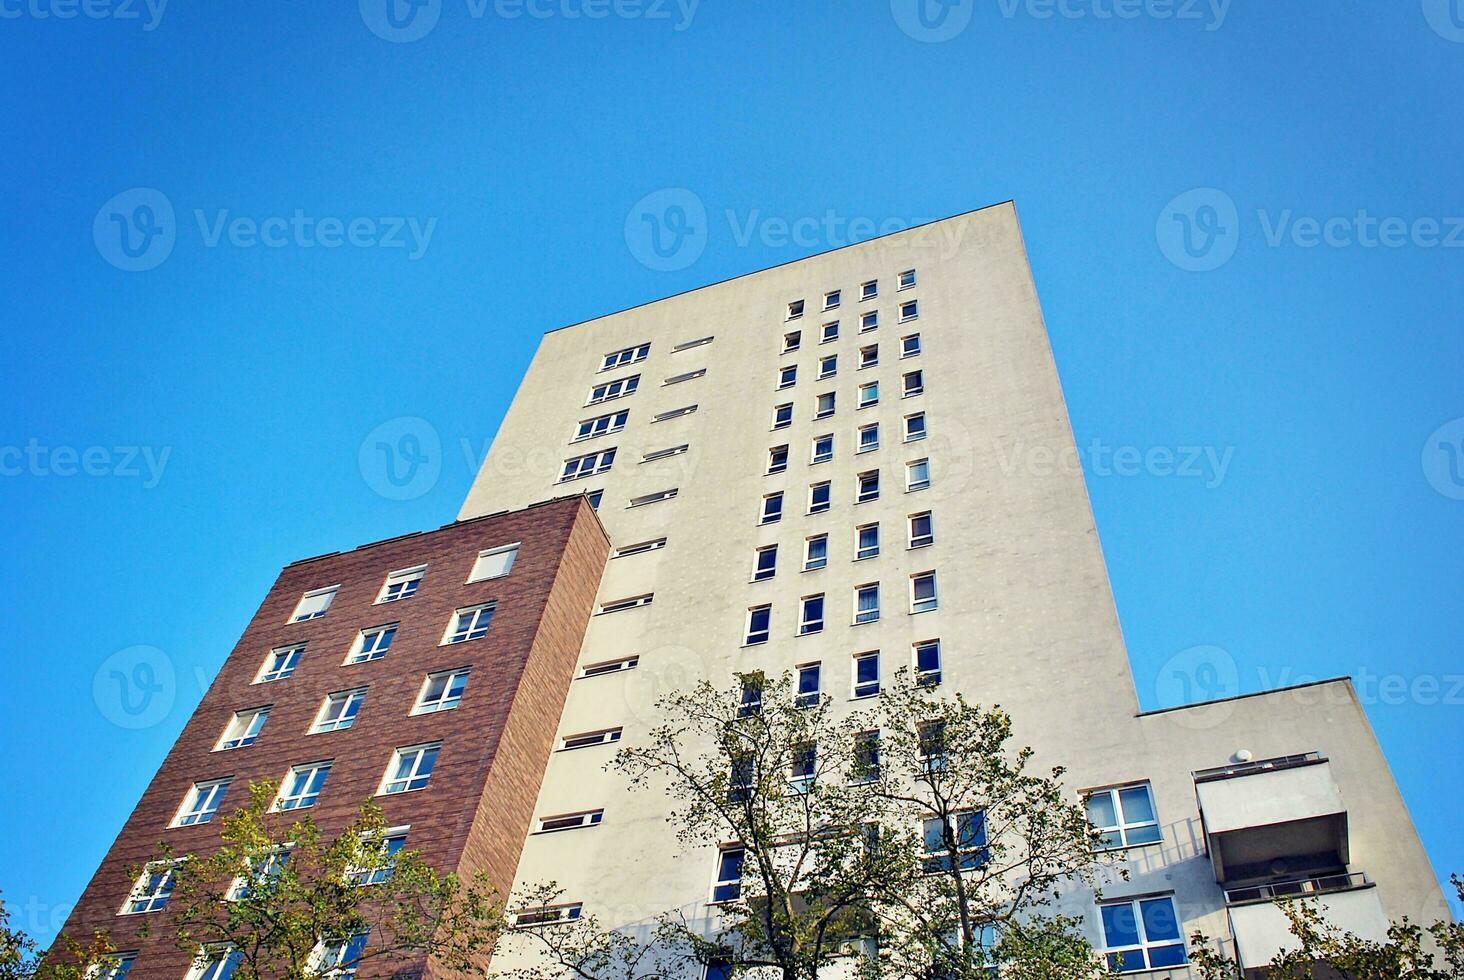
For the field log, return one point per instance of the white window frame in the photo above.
(868, 356)
(414, 757)
(775, 454)
(816, 506)
(829, 332)
(152, 889)
(606, 667)
(445, 700)
(819, 412)
(869, 290)
(306, 610)
(767, 515)
(1119, 834)
(808, 558)
(905, 345)
(911, 483)
(340, 948)
(372, 643)
(752, 637)
(623, 605)
(332, 716)
(212, 962)
(601, 425)
(477, 623)
(815, 455)
(405, 577)
(927, 677)
(930, 604)
(859, 548)
(639, 548)
(201, 802)
(628, 355)
(486, 555)
(588, 465)
(590, 740)
(361, 876)
(792, 340)
(908, 390)
(906, 280)
(730, 889)
(787, 376)
(862, 616)
(558, 823)
(832, 299)
(911, 436)
(611, 390)
(795, 309)
(869, 321)
(808, 699)
(864, 494)
(865, 390)
(243, 729)
(652, 498)
(280, 663)
(808, 624)
(909, 310)
(920, 541)
(1146, 945)
(759, 572)
(288, 800)
(867, 445)
(779, 422)
(867, 688)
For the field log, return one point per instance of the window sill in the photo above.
(917, 547)
(866, 557)
(917, 489)
(864, 697)
(816, 568)
(864, 622)
(921, 612)
(866, 449)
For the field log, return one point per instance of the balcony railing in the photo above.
(1259, 765)
(1300, 888)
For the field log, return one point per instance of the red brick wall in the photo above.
(497, 740)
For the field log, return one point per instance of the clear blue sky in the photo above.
(1334, 544)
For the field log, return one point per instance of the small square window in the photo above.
(302, 785)
(280, 663)
(728, 886)
(815, 552)
(922, 592)
(441, 691)
(243, 729)
(868, 487)
(811, 614)
(772, 508)
(824, 406)
(810, 677)
(915, 427)
(759, 625)
(201, 803)
(777, 459)
(927, 663)
(866, 674)
(215, 962)
(907, 279)
(869, 290)
(869, 356)
(787, 376)
(866, 770)
(313, 604)
(469, 624)
(868, 320)
(922, 530)
(868, 437)
(914, 383)
(792, 340)
(831, 299)
(782, 416)
(869, 394)
(765, 565)
(866, 541)
(338, 711)
(829, 332)
(410, 769)
(866, 603)
(818, 497)
(402, 584)
(494, 563)
(1145, 934)
(804, 769)
(910, 345)
(795, 309)
(152, 890)
(1125, 816)
(828, 366)
(372, 644)
(909, 311)
(917, 474)
(823, 448)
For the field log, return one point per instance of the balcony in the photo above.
(1273, 819)
(1260, 926)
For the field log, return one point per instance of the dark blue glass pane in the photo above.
(1160, 922)
(1119, 926)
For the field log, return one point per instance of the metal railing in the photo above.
(1259, 765)
(1298, 888)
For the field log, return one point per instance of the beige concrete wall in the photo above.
(1026, 615)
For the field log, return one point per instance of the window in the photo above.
(868, 321)
(402, 584)
(201, 803)
(868, 487)
(1125, 816)
(866, 674)
(759, 625)
(587, 740)
(621, 605)
(831, 299)
(869, 290)
(777, 459)
(376, 861)
(819, 497)
(866, 541)
(302, 785)
(639, 548)
(914, 384)
(372, 644)
(866, 603)
(259, 872)
(869, 394)
(215, 963)
(927, 663)
(809, 685)
(547, 915)
(910, 345)
(610, 667)
(866, 758)
(915, 427)
(922, 531)
(118, 968)
(728, 886)
(868, 438)
(907, 279)
(469, 624)
(958, 841)
(613, 389)
(766, 564)
(676, 379)
(339, 957)
(621, 358)
(823, 448)
(1142, 935)
(931, 746)
(582, 466)
(441, 691)
(494, 563)
(922, 592)
(601, 425)
(829, 332)
(787, 376)
(653, 498)
(815, 552)
(791, 341)
(593, 498)
(243, 729)
(651, 457)
(772, 508)
(804, 768)
(152, 890)
(752, 692)
(280, 663)
(313, 605)
(795, 309)
(811, 614)
(909, 311)
(410, 769)
(917, 474)
(824, 406)
(828, 366)
(571, 821)
(338, 711)
(782, 416)
(869, 356)
(689, 344)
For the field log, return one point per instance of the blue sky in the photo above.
(1239, 218)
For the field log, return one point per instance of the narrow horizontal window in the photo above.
(548, 915)
(570, 821)
(620, 358)
(586, 740)
(689, 344)
(674, 413)
(613, 389)
(665, 453)
(639, 548)
(610, 667)
(676, 379)
(620, 605)
(653, 498)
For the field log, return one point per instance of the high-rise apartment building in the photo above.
(838, 467)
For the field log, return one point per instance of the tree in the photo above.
(282, 900)
(67, 959)
(1325, 952)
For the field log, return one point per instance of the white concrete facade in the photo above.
(1025, 613)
